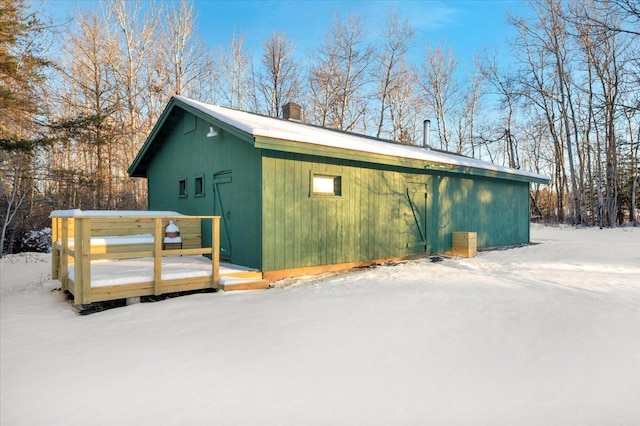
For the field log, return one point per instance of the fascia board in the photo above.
(175, 103)
(346, 154)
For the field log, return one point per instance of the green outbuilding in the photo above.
(296, 198)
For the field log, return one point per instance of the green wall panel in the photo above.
(497, 210)
(373, 219)
(192, 154)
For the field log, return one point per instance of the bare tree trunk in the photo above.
(397, 37)
(15, 197)
(135, 38)
(339, 75)
(635, 154)
(439, 87)
(279, 79)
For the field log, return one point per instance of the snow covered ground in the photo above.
(547, 334)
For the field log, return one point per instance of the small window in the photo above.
(324, 185)
(199, 186)
(182, 187)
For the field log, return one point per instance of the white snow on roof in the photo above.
(258, 125)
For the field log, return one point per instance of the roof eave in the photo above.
(138, 168)
(135, 169)
(369, 157)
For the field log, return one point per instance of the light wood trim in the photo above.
(77, 269)
(85, 249)
(215, 250)
(315, 270)
(55, 253)
(157, 257)
(123, 255)
(185, 252)
(120, 248)
(114, 292)
(63, 271)
(186, 284)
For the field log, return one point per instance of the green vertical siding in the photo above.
(497, 210)
(187, 152)
(370, 220)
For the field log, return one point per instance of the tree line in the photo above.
(78, 99)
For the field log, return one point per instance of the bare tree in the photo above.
(405, 105)
(440, 88)
(179, 61)
(614, 16)
(87, 161)
(234, 79)
(136, 30)
(604, 47)
(278, 79)
(504, 87)
(181, 50)
(323, 84)
(339, 75)
(549, 85)
(469, 107)
(388, 73)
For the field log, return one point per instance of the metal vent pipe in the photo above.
(426, 133)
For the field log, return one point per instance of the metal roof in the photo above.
(263, 128)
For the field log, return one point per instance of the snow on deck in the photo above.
(109, 272)
(130, 271)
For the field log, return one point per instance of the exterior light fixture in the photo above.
(212, 132)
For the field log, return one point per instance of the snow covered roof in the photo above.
(259, 126)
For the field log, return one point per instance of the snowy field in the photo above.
(547, 334)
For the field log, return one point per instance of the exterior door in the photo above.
(221, 207)
(415, 218)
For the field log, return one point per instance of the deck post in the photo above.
(77, 263)
(82, 261)
(63, 264)
(157, 257)
(55, 254)
(215, 251)
(86, 260)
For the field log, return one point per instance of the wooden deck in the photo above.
(80, 238)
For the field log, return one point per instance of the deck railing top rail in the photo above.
(77, 213)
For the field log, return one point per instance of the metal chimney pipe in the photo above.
(426, 133)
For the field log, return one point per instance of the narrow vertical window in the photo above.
(182, 187)
(199, 186)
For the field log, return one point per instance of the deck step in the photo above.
(231, 283)
(237, 277)
(243, 274)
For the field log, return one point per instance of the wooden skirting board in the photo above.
(321, 269)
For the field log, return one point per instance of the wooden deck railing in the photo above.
(82, 228)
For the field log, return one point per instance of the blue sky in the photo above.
(468, 26)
